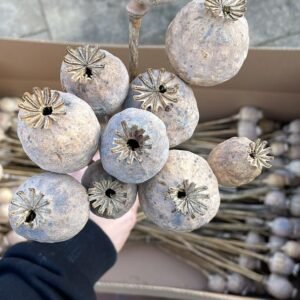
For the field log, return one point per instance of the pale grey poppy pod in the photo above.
(134, 146)
(183, 196)
(109, 198)
(169, 98)
(96, 76)
(58, 131)
(206, 49)
(49, 208)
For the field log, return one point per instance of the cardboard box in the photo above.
(269, 79)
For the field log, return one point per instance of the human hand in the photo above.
(117, 230)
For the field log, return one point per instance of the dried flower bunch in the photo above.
(178, 190)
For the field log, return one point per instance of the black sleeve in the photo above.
(66, 270)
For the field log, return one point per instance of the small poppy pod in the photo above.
(9, 104)
(170, 99)
(183, 196)
(294, 139)
(49, 208)
(5, 195)
(275, 243)
(294, 152)
(294, 205)
(279, 148)
(280, 287)
(238, 284)
(254, 238)
(250, 113)
(108, 197)
(292, 249)
(293, 127)
(96, 76)
(248, 129)
(248, 262)
(276, 201)
(294, 167)
(238, 160)
(217, 283)
(282, 264)
(208, 41)
(134, 146)
(58, 131)
(282, 227)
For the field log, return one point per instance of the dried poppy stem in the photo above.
(136, 10)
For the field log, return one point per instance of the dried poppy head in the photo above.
(44, 118)
(96, 76)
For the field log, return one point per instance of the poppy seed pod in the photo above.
(238, 284)
(293, 127)
(183, 196)
(276, 201)
(238, 160)
(292, 249)
(109, 197)
(275, 243)
(134, 146)
(294, 205)
(248, 129)
(282, 227)
(5, 195)
(280, 287)
(294, 139)
(9, 104)
(217, 283)
(49, 208)
(208, 41)
(58, 131)
(282, 264)
(96, 76)
(170, 99)
(294, 167)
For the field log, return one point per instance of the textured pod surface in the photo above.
(292, 249)
(276, 201)
(183, 196)
(238, 284)
(295, 205)
(203, 49)
(169, 98)
(67, 142)
(109, 197)
(282, 264)
(248, 129)
(275, 243)
(282, 227)
(217, 283)
(49, 208)
(238, 161)
(100, 78)
(134, 146)
(280, 287)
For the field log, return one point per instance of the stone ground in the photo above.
(273, 23)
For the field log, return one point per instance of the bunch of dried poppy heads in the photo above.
(178, 190)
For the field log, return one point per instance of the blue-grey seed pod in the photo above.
(280, 287)
(96, 76)
(205, 49)
(108, 197)
(170, 99)
(134, 146)
(183, 196)
(49, 208)
(58, 131)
